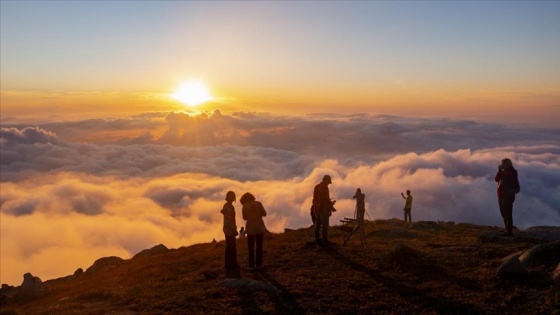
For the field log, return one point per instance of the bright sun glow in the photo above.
(192, 93)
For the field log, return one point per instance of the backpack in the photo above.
(514, 188)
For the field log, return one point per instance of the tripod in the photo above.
(354, 225)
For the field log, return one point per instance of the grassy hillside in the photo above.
(450, 270)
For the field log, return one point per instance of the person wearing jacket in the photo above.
(323, 207)
(508, 186)
(253, 211)
(230, 231)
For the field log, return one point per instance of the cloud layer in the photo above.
(76, 191)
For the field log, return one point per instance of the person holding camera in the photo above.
(253, 211)
(407, 206)
(323, 207)
(360, 205)
(508, 186)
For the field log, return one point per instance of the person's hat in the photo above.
(327, 179)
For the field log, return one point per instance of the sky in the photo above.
(97, 159)
(466, 59)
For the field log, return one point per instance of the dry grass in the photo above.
(453, 273)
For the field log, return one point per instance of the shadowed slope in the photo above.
(447, 269)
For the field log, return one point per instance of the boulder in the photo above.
(542, 254)
(154, 250)
(7, 289)
(78, 273)
(511, 266)
(31, 288)
(103, 263)
(538, 255)
(7, 286)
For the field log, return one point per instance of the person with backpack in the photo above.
(253, 211)
(508, 186)
(323, 207)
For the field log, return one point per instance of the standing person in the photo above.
(253, 211)
(407, 206)
(230, 231)
(323, 208)
(360, 205)
(508, 186)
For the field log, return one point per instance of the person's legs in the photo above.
(251, 250)
(322, 223)
(317, 226)
(326, 228)
(259, 239)
(503, 212)
(511, 216)
(231, 253)
(226, 254)
(407, 215)
(508, 215)
(361, 213)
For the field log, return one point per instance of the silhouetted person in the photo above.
(508, 186)
(360, 205)
(407, 206)
(230, 231)
(253, 211)
(323, 207)
(242, 233)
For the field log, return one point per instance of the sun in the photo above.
(192, 93)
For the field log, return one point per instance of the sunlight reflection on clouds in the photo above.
(117, 197)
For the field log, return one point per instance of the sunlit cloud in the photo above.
(120, 195)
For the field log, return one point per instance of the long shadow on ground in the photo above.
(439, 304)
(284, 302)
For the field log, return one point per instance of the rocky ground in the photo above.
(418, 268)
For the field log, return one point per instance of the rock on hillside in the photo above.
(103, 263)
(154, 250)
(542, 254)
(417, 268)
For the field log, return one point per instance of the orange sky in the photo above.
(454, 59)
(533, 106)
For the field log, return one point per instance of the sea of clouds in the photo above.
(75, 191)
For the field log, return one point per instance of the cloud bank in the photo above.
(76, 191)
